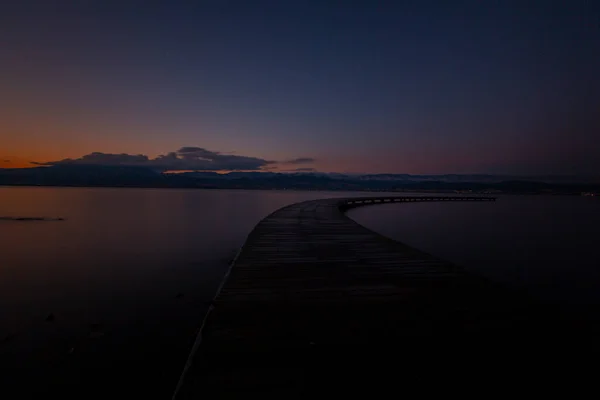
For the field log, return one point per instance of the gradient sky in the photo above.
(419, 86)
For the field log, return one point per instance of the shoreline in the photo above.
(422, 191)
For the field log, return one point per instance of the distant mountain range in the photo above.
(125, 176)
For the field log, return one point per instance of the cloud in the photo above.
(186, 158)
(302, 170)
(301, 160)
(6, 161)
(103, 159)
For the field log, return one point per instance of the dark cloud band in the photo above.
(186, 158)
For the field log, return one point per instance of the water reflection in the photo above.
(543, 244)
(140, 263)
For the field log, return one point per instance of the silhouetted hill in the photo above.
(125, 176)
(82, 175)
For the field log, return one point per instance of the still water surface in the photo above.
(546, 245)
(123, 283)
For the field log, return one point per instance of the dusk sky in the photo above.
(418, 86)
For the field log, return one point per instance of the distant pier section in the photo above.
(312, 291)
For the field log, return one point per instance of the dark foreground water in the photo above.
(546, 245)
(113, 295)
(110, 299)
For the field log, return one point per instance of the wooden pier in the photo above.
(313, 295)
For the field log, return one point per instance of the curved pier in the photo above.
(312, 290)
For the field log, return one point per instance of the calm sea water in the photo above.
(546, 245)
(121, 285)
(113, 295)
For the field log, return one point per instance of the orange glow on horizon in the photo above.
(15, 162)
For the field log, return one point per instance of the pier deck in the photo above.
(312, 291)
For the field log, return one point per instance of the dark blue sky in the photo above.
(361, 86)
